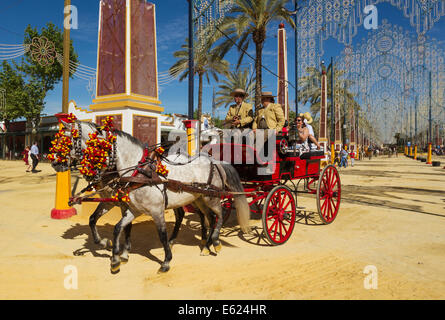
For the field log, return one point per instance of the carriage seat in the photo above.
(310, 154)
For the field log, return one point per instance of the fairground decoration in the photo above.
(121, 196)
(98, 150)
(62, 144)
(388, 74)
(43, 51)
(161, 169)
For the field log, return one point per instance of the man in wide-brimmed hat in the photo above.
(269, 115)
(240, 114)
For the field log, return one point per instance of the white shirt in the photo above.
(311, 130)
(35, 150)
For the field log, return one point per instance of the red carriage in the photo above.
(274, 193)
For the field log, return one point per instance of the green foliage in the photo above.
(52, 74)
(235, 79)
(207, 62)
(15, 97)
(219, 123)
(247, 22)
(27, 83)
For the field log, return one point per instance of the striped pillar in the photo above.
(283, 87)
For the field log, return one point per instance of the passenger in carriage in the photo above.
(308, 121)
(302, 133)
(240, 115)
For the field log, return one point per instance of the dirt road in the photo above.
(392, 218)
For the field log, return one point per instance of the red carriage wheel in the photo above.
(279, 215)
(328, 194)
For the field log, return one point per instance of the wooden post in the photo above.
(63, 182)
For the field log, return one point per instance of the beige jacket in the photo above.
(273, 114)
(245, 113)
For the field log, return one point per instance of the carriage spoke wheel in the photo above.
(328, 194)
(279, 215)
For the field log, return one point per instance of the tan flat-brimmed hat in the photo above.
(239, 91)
(267, 94)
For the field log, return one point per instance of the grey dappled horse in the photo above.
(151, 200)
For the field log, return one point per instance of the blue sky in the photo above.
(172, 17)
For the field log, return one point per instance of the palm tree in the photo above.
(207, 63)
(311, 91)
(249, 23)
(241, 78)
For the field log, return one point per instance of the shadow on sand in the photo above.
(144, 238)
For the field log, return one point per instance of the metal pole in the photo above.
(430, 130)
(296, 57)
(191, 61)
(415, 120)
(332, 101)
(66, 61)
(410, 124)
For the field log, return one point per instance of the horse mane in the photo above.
(120, 133)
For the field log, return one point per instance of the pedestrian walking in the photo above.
(27, 158)
(343, 158)
(352, 155)
(35, 157)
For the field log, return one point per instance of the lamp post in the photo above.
(332, 102)
(296, 57)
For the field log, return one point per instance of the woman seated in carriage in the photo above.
(302, 135)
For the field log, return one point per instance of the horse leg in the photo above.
(101, 210)
(122, 224)
(203, 210)
(159, 220)
(215, 206)
(179, 215)
(127, 245)
(203, 228)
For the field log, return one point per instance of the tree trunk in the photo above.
(258, 70)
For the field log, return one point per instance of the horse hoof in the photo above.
(124, 260)
(217, 248)
(205, 251)
(115, 268)
(106, 244)
(163, 269)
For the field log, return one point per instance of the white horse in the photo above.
(154, 200)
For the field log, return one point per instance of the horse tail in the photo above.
(233, 182)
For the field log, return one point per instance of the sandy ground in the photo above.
(392, 217)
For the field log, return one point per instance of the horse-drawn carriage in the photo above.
(273, 186)
(141, 180)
